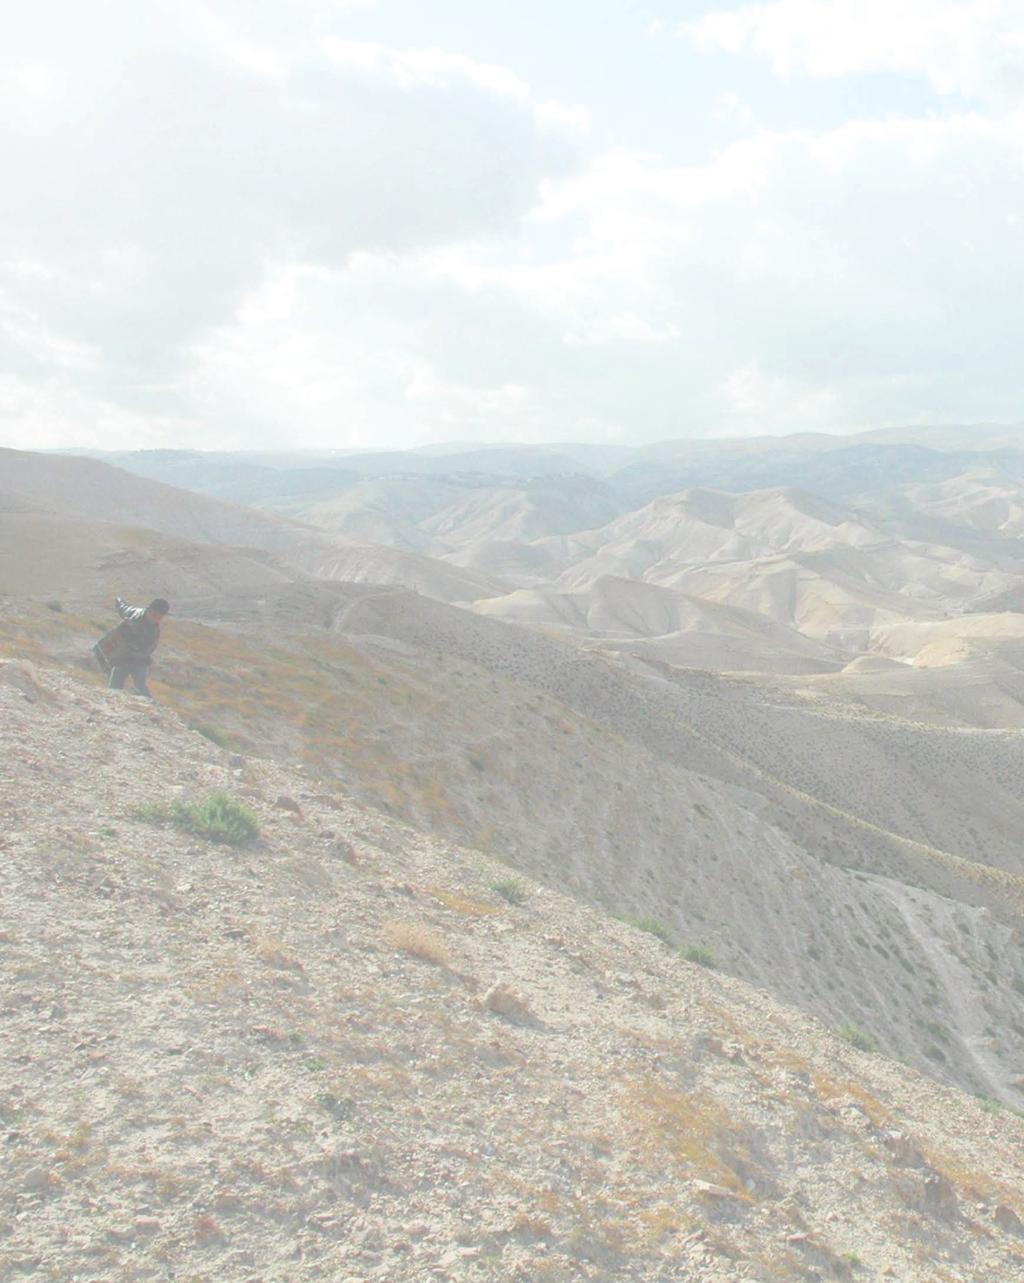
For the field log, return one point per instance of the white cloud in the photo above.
(255, 230)
(159, 171)
(970, 47)
(866, 274)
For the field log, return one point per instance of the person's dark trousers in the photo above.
(137, 672)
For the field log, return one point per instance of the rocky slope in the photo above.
(844, 834)
(341, 1052)
(769, 834)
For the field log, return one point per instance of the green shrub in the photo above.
(511, 889)
(212, 733)
(55, 606)
(857, 1037)
(652, 926)
(218, 818)
(701, 956)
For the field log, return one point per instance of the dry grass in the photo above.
(418, 941)
(462, 904)
(686, 1128)
(828, 1088)
(974, 1185)
(270, 950)
(661, 1223)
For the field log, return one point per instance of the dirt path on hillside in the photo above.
(930, 923)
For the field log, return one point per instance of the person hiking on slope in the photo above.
(126, 650)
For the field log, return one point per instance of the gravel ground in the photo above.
(339, 1052)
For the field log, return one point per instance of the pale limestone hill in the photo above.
(539, 509)
(646, 619)
(933, 644)
(698, 526)
(984, 688)
(88, 488)
(846, 596)
(388, 511)
(278, 482)
(523, 565)
(793, 559)
(980, 501)
(426, 575)
(43, 555)
(81, 487)
(872, 664)
(341, 1053)
(442, 515)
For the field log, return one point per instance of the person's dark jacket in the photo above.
(133, 641)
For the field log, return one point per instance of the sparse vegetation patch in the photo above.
(418, 941)
(213, 733)
(652, 926)
(857, 1037)
(511, 889)
(217, 817)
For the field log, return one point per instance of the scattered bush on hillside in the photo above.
(992, 1106)
(701, 956)
(55, 606)
(857, 1037)
(652, 926)
(212, 733)
(418, 941)
(217, 817)
(512, 890)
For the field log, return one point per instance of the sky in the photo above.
(252, 224)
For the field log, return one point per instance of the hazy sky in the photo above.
(353, 223)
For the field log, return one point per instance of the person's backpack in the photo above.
(108, 645)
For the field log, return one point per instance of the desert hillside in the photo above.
(832, 543)
(511, 642)
(348, 1049)
(777, 732)
(862, 815)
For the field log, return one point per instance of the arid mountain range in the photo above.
(765, 698)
